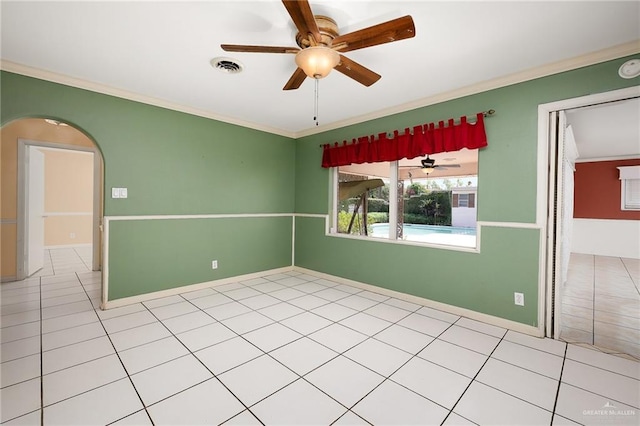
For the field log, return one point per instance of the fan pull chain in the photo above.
(315, 106)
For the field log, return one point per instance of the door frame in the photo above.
(546, 186)
(22, 213)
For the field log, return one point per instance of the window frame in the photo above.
(332, 220)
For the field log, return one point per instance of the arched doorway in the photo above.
(73, 209)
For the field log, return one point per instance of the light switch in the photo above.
(123, 192)
(115, 192)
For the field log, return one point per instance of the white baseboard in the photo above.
(187, 288)
(467, 313)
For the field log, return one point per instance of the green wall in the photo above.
(174, 164)
(508, 261)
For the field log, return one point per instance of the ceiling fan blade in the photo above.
(358, 72)
(447, 165)
(394, 30)
(417, 166)
(296, 80)
(258, 49)
(302, 17)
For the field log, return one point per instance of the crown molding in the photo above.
(592, 58)
(136, 97)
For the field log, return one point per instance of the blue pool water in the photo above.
(412, 230)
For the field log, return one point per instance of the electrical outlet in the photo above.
(124, 193)
(115, 192)
(72, 235)
(518, 299)
(214, 264)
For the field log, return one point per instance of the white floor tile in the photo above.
(338, 337)
(22, 331)
(125, 322)
(280, 311)
(334, 312)
(344, 380)
(437, 383)
(69, 336)
(20, 399)
(350, 419)
(402, 304)
(31, 419)
(308, 302)
(606, 362)
(379, 357)
(20, 318)
(212, 300)
(306, 323)
(163, 301)
(173, 310)
(260, 301)
(19, 370)
(287, 294)
(169, 378)
(303, 355)
(62, 300)
(99, 406)
(66, 309)
(387, 312)
(555, 347)
(457, 420)
(356, 302)
(365, 323)
(117, 312)
(531, 359)
(266, 286)
(151, 354)
(423, 324)
(453, 357)
(198, 293)
(391, 404)
(207, 403)
(242, 293)
(228, 354)
(332, 294)
(298, 404)
(78, 353)
(228, 310)
(247, 322)
(404, 338)
(132, 337)
(20, 348)
(437, 314)
(246, 418)
(257, 379)
(81, 378)
(482, 327)
(208, 335)
(526, 385)
(188, 321)
(470, 339)
(585, 408)
(310, 287)
(485, 405)
(272, 336)
(15, 308)
(139, 418)
(602, 382)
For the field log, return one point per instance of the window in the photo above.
(400, 201)
(630, 187)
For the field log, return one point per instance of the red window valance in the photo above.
(424, 139)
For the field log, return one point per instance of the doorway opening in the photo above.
(52, 186)
(593, 253)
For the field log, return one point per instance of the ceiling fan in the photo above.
(321, 45)
(428, 165)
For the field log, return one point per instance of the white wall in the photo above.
(604, 237)
(463, 216)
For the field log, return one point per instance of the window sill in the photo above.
(409, 243)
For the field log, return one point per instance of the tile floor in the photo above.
(66, 260)
(601, 303)
(288, 349)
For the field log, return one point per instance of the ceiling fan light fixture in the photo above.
(317, 61)
(427, 170)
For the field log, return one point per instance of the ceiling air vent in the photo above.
(227, 65)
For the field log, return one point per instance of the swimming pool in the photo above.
(449, 235)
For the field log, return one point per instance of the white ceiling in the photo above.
(159, 52)
(610, 130)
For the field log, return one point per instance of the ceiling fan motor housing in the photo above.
(328, 31)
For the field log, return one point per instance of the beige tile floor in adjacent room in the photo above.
(287, 349)
(601, 303)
